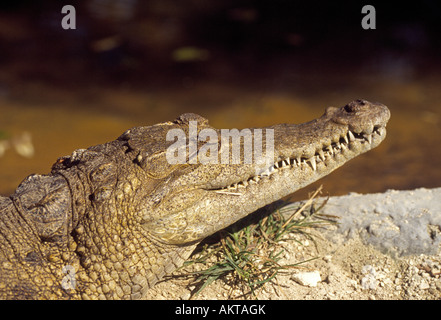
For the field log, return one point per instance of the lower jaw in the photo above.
(292, 177)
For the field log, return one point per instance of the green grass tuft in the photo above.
(250, 257)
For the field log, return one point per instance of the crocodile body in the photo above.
(110, 221)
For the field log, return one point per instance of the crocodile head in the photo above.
(192, 200)
(137, 214)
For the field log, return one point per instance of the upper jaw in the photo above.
(327, 156)
(320, 145)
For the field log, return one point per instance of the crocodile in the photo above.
(110, 221)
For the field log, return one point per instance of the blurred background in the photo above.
(238, 63)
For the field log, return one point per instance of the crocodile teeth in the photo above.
(321, 154)
(294, 162)
(331, 150)
(313, 163)
(368, 137)
(380, 131)
(254, 179)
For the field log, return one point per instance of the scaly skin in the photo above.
(110, 221)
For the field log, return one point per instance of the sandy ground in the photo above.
(385, 246)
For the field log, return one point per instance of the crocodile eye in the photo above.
(156, 165)
(349, 108)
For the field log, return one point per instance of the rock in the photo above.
(424, 285)
(396, 222)
(435, 271)
(438, 284)
(309, 279)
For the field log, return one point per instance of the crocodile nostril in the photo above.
(349, 108)
(355, 105)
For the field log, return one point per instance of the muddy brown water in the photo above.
(62, 120)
